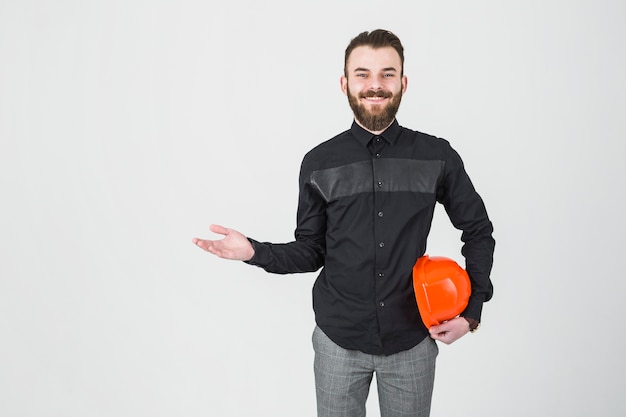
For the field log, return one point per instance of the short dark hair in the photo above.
(378, 38)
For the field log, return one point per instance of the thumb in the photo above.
(221, 230)
(438, 328)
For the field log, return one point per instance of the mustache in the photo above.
(378, 93)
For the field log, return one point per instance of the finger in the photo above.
(443, 337)
(216, 247)
(203, 244)
(221, 253)
(221, 230)
(435, 331)
(444, 327)
(438, 329)
(438, 336)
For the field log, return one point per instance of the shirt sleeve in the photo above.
(467, 213)
(307, 252)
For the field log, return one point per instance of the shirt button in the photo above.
(377, 139)
(382, 304)
(380, 214)
(380, 184)
(381, 275)
(381, 244)
(377, 155)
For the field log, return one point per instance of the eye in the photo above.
(361, 74)
(389, 75)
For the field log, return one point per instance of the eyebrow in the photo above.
(368, 70)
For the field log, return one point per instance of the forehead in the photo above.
(366, 57)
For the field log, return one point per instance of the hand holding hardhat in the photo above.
(450, 331)
(442, 290)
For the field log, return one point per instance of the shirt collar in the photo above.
(364, 137)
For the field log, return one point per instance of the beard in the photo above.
(379, 117)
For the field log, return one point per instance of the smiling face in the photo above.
(374, 85)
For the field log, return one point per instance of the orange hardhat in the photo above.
(442, 289)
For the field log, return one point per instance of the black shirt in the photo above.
(365, 209)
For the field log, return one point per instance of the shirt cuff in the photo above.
(261, 254)
(474, 309)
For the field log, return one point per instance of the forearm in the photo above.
(478, 252)
(287, 258)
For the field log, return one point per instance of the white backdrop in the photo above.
(127, 127)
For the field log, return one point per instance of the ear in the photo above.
(344, 84)
(405, 83)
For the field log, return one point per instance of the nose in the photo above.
(376, 83)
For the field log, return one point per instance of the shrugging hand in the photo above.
(233, 246)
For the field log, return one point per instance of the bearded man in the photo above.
(366, 204)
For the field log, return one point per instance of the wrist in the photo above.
(473, 324)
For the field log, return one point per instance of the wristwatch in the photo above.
(473, 324)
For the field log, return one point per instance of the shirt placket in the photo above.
(381, 247)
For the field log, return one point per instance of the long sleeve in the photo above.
(467, 213)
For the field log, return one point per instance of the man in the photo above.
(366, 204)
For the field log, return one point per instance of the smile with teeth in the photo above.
(376, 97)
